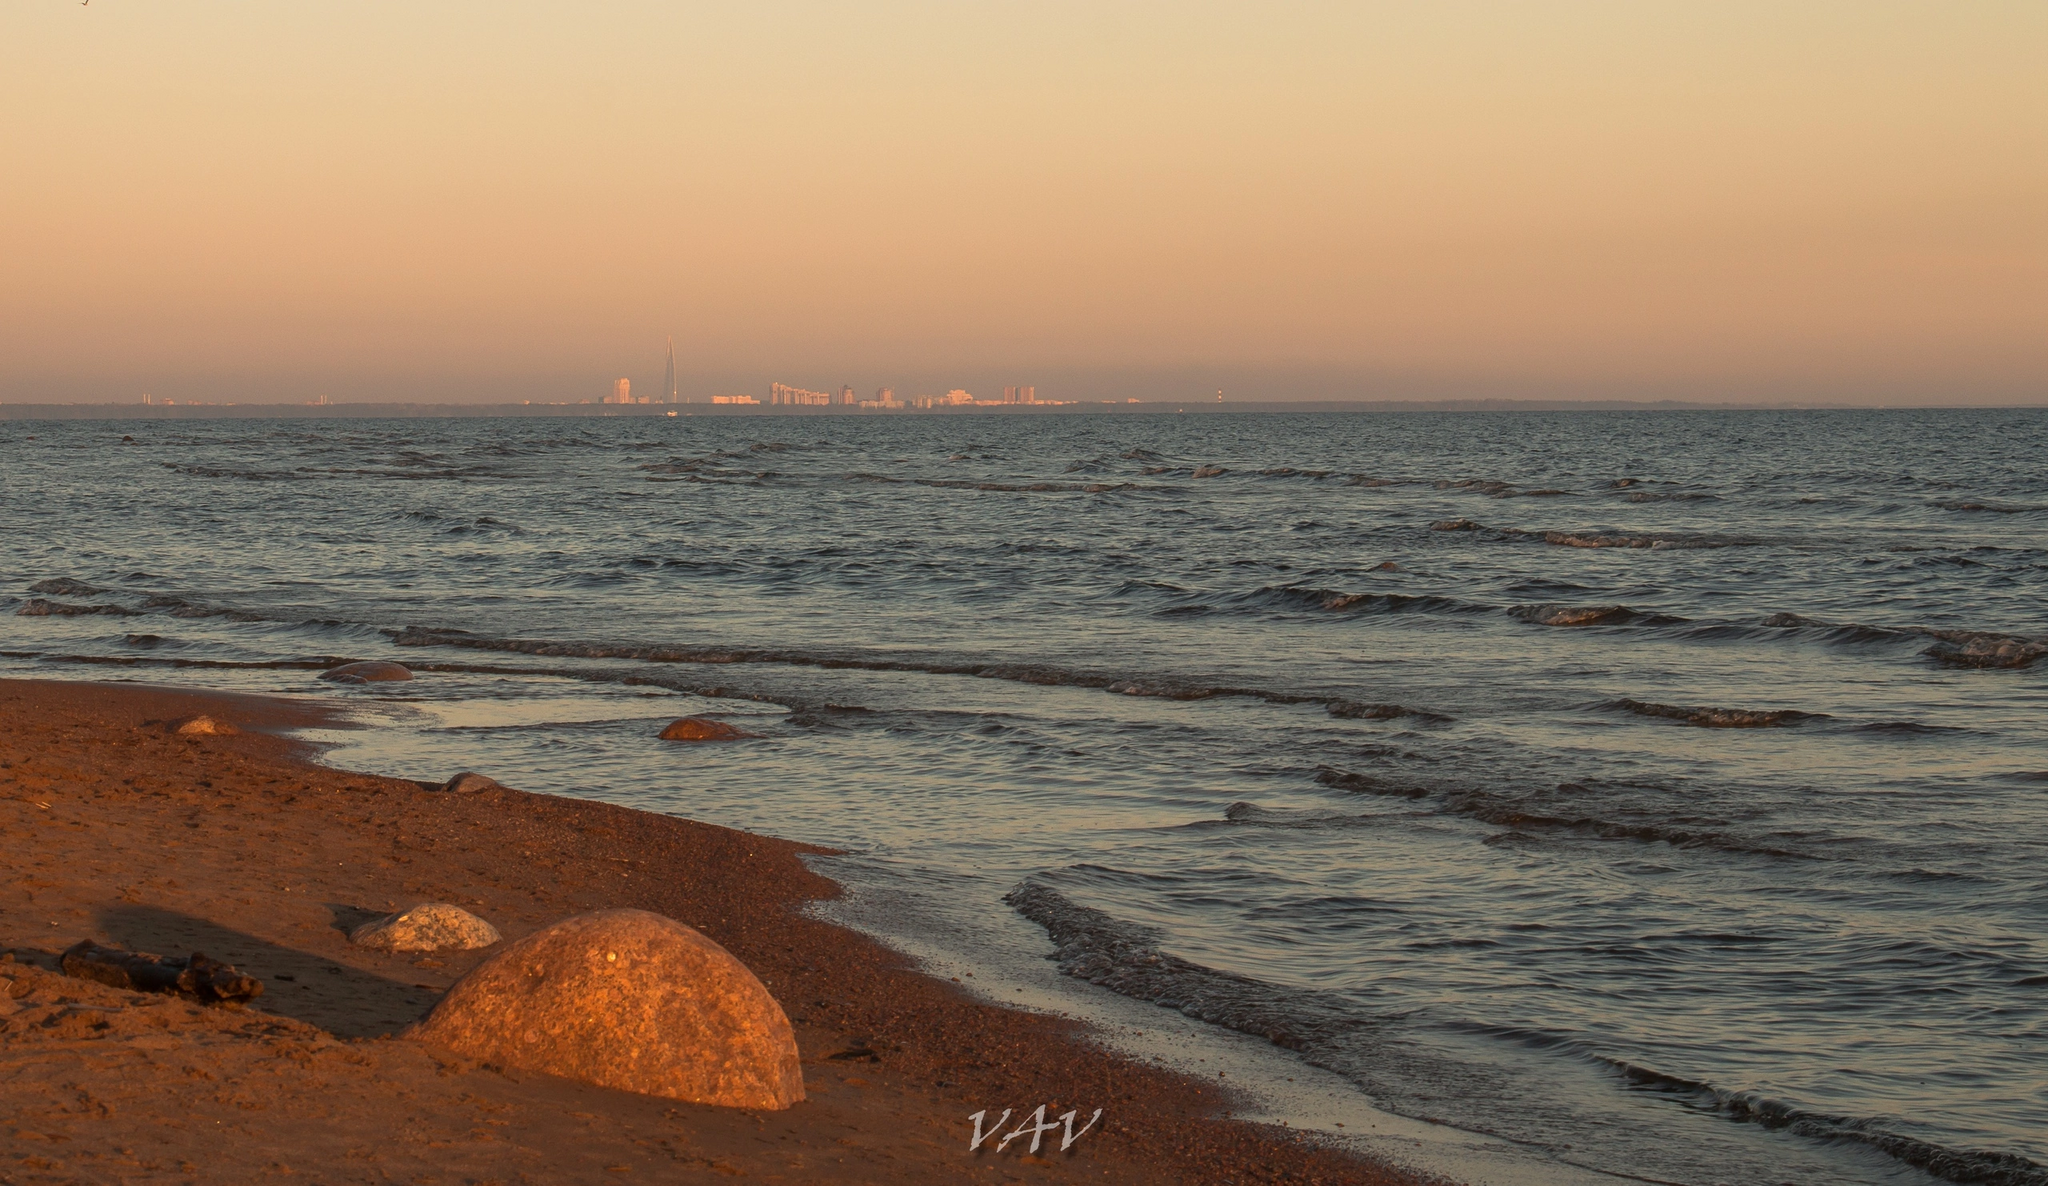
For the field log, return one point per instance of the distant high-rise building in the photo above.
(1027, 395)
(783, 393)
(622, 391)
(668, 384)
(1009, 395)
(885, 395)
(847, 397)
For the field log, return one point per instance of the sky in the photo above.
(460, 201)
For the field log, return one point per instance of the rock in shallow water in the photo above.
(629, 1000)
(368, 672)
(66, 587)
(435, 926)
(42, 607)
(703, 729)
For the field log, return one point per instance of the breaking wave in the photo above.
(1162, 687)
(1995, 508)
(1980, 649)
(1126, 959)
(1332, 1033)
(1975, 1167)
(1306, 597)
(1253, 815)
(1528, 814)
(181, 608)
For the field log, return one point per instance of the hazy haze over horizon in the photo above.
(1746, 201)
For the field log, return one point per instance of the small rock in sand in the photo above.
(703, 729)
(202, 726)
(628, 1000)
(368, 672)
(469, 783)
(435, 926)
(207, 979)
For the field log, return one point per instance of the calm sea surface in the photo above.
(1667, 792)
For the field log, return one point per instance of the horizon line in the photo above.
(310, 409)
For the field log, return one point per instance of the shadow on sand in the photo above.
(344, 1001)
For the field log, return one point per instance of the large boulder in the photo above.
(435, 926)
(703, 729)
(371, 671)
(630, 1000)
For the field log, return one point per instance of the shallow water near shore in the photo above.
(1665, 794)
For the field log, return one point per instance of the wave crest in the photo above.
(1311, 597)
(1978, 649)
(1125, 958)
(1162, 687)
(1972, 1166)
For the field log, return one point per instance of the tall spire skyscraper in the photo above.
(669, 383)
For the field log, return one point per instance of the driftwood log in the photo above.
(207, 979)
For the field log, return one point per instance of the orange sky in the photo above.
(1842, 201)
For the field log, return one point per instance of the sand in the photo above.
(117, 829)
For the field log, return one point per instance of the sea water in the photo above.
(1661, 794)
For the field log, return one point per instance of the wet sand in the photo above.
(118, 830)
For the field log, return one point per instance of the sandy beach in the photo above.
(122, 831)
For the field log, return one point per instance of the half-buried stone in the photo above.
(435, 926)
(629, 1000)
(469, 782)
(201, 726)
(703, 729)
(371, 671)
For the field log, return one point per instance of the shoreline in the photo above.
(241, 846)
